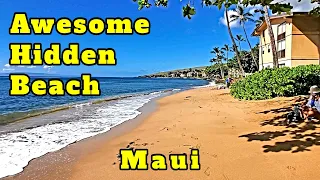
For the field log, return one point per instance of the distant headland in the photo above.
(194, 73)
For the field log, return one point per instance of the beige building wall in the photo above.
(306, 40)
(302, 42)
(267, 57)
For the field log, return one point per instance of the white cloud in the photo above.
(223, 19)
(251, 9)
(30, 67)
(7, 69)
(303, 6)
(47, 67)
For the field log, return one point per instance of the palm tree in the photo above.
(259, 21)
(212, 61)
(272, 39)
(266, 18)
(218, 59)
(234, 45)
(244, 17)
(226, 48)
(240, 39)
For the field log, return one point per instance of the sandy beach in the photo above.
(237, 140)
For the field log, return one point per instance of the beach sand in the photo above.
(237, 140)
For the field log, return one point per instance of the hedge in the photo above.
(270, 83)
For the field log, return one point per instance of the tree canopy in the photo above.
(189, 10)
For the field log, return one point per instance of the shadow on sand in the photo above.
(299, 137)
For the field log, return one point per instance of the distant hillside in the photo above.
(195, 72)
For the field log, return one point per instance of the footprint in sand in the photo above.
(143, 144)
(165, 128)
(197, 147)
(207, 171)
(193, 137)
(291, 168)
(212, 155)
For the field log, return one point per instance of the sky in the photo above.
(174, 42)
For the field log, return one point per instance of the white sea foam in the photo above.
(82, 105)
(176, 89)
(211, 84)
(18, 148)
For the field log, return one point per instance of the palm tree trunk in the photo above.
(234, 43)
(272, 39)
(254, 59)
(227, 56)
(221, 71)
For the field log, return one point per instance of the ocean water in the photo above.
(21, 142)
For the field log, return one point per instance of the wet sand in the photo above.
(236, 139)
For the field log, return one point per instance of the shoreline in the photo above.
(33, 170)
(232, 144)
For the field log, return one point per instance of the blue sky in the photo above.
(174, 42)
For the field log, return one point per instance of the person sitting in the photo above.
(312, 108)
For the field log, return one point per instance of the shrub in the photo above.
(270, 83)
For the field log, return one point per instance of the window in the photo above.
(282, 65)
(268, 48)
(281, 40)
(281, 31)
(262, 49)
(281, 49)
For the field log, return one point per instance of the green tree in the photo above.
(316, 10)
(246, 60)
(244, 17)
(189, 10)
(275, 8)
(219, 56)
(234, 45)
(259, 21)
(212, 61)
(239, 39)
(226, 49)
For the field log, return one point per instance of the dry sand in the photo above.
(237, 140)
